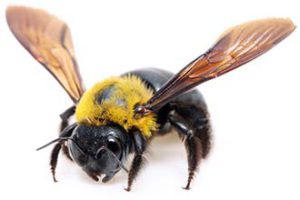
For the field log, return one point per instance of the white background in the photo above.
(254, 110)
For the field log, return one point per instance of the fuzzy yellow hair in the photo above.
(131, 90)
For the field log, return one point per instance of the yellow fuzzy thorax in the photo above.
(131, 90)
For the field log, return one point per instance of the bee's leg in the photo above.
(138, 159)
(194, 154)
(192, 124)
(53, 159)
(56, 149)
(65, 116)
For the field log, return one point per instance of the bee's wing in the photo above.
(48, 40)
(234, 48)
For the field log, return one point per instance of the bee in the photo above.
(122, 114)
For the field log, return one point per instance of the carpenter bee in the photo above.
(120, 115)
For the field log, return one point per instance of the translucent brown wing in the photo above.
(234, 48)
(48, 40)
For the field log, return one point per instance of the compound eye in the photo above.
(114, 145)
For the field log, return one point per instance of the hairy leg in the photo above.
(53, 159)
(193, 126)
(138, 160)
(65, 116)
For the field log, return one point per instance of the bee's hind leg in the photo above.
(192, 124)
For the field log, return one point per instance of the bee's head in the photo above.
(99, 150)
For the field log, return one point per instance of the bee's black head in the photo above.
(100, 149)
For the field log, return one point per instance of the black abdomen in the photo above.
(156, 78)
(153, 77)
(190, 106)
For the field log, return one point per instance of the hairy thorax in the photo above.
(114, 100)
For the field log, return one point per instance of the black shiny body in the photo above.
(191, 106)
(186, 113)
(103, 150)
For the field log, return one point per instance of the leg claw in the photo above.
(127, 189)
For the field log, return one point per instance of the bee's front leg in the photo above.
(56, 149)
(140, 144)
(65, 116)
